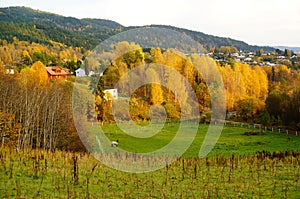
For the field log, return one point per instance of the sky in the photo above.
(257, 22)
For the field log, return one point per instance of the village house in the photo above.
(80, 72)
(57, 72)
(113, 92)
(10, 70)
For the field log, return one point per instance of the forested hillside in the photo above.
(209, 41)
(38, 26)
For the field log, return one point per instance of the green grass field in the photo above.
(231, 142)
(233, 169)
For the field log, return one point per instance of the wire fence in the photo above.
(228, 123)
(260, 127)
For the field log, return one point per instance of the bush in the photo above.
(248, 133)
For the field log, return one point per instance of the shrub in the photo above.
(248, 133)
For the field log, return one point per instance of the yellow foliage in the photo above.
(157, 55)
(36, 75)
(243, 82)
(1, 67)
(156, 94)
(125, 47)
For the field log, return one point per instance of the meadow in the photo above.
(239, 166)
(232, 140)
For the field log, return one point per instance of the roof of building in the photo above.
(57, 71)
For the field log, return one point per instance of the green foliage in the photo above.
(133, 57)
(172, 111)
(36, 26)
(274, 103)
(72, 65)
(248, 108)
(209, 41)
(44, 58)
(265, 118)
(248, 133)
(284, 107)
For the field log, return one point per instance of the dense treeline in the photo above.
(244, 85)
(283, 101)
(268, 95)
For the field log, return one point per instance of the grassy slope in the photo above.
(231, 141)
(42, 174)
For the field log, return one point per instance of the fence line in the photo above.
(259, 126)
(230, 123)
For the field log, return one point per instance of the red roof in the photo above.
(57, 71)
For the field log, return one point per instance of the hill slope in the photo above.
(38, 26)
(294, 49)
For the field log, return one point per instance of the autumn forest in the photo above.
(254, 94)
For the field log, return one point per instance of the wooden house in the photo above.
(57, 72)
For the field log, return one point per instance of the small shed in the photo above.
(80, 72)
(113, 92)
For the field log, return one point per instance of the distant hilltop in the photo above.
(294, 49)
(43, 27)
